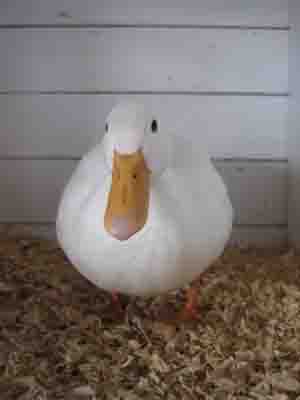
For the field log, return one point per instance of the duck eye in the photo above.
(106, 127)
(154, 126)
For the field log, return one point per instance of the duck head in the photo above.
(133, 153)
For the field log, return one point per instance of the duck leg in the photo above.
(116, 303)
(190, 309)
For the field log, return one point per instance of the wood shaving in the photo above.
(61, 337)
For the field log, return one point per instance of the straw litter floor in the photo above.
(60, 337)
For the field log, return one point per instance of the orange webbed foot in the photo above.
(190, 311)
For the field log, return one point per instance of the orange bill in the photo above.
(128, 201)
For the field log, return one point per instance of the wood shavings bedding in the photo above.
(60, 338)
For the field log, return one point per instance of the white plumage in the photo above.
(189, 220)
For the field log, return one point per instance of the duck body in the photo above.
(188, 225)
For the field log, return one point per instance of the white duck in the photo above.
(144, 212)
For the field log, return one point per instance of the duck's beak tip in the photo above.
(121, 228)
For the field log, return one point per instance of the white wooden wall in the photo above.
(218, 71)
(294, 124)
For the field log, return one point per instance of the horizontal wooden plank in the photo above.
(30, 190)
(34, 230)
(242, 236)
(67, 125)
(144, 60)
(258, 191)
(207, 12)
(274, 237)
